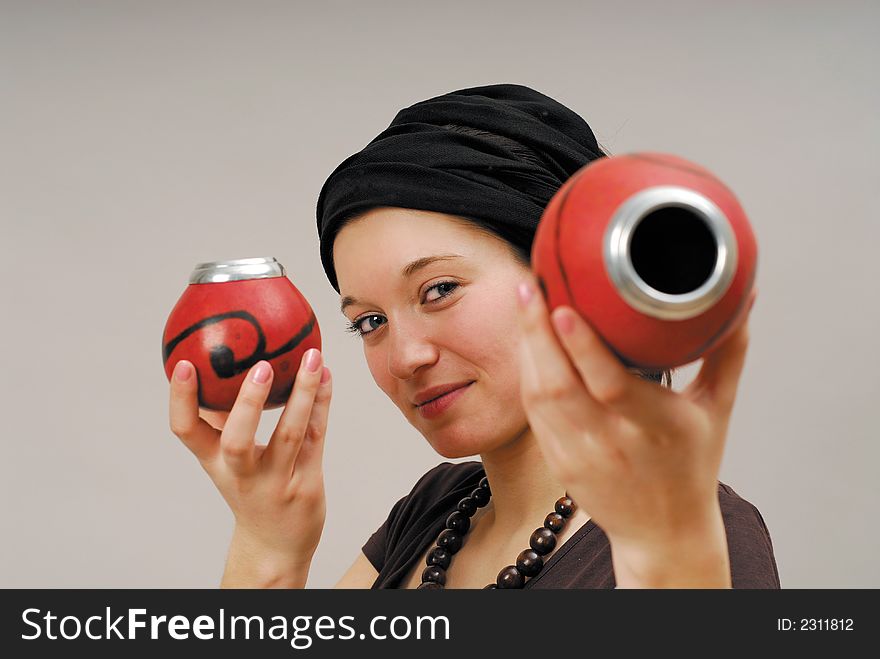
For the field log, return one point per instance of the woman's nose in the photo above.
(410, 348)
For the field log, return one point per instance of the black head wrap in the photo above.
(419, 162)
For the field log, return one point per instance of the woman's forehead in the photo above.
(390, 220)
(397, 237)
(398, 245)
(411, 269)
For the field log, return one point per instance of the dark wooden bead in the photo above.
(434, 573)
(480, 496)
(555, 522)
(459, 522)
(565, 507)
(430, 585)
(543, 541)
(449, 540)
(439, 557)
(484, 483)
(510, 577)
(490, 586)
(529, 562)
(468, 506)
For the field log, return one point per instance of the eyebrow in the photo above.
(408, 271)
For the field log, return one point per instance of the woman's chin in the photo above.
(451, 454)
(471, 442)
(464, 436)
(452, 448)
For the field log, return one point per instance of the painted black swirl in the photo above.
(221, 356)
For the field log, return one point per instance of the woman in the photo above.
(426, 235)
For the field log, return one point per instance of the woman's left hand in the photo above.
(641, 459)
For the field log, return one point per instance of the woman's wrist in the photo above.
(251, 564)
(693, 557)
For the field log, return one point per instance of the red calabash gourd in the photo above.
(653, 251)
(232, 315)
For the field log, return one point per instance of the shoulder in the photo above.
(438, 490)
(425, 505)
(448, 476)
(752, 561)
(737, 511)
(435, 488)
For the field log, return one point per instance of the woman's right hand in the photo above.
(275, 491)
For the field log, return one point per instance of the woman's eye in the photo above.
(446, 285)
(357, 325)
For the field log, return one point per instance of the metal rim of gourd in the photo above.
(215, 272)
(633, 288)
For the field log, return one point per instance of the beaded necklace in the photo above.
(528, 564)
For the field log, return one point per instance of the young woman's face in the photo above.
(449, 321)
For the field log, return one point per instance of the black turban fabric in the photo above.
(420, 163)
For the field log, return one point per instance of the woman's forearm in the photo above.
(251, 565)
(696, 557)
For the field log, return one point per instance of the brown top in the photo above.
(583, 561)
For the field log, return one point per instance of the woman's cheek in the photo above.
(377, 362)
(485, 332)
(474, 325)
(493, 312)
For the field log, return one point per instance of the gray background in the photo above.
(139, 138)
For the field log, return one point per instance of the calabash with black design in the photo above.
(233, 314)
(653, 251)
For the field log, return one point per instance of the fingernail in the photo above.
(525, 292)
(313, 360)
(182, 371)
(564, 321)
(325, 376)
(262, 372)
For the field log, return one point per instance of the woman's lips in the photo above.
(439, 405)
